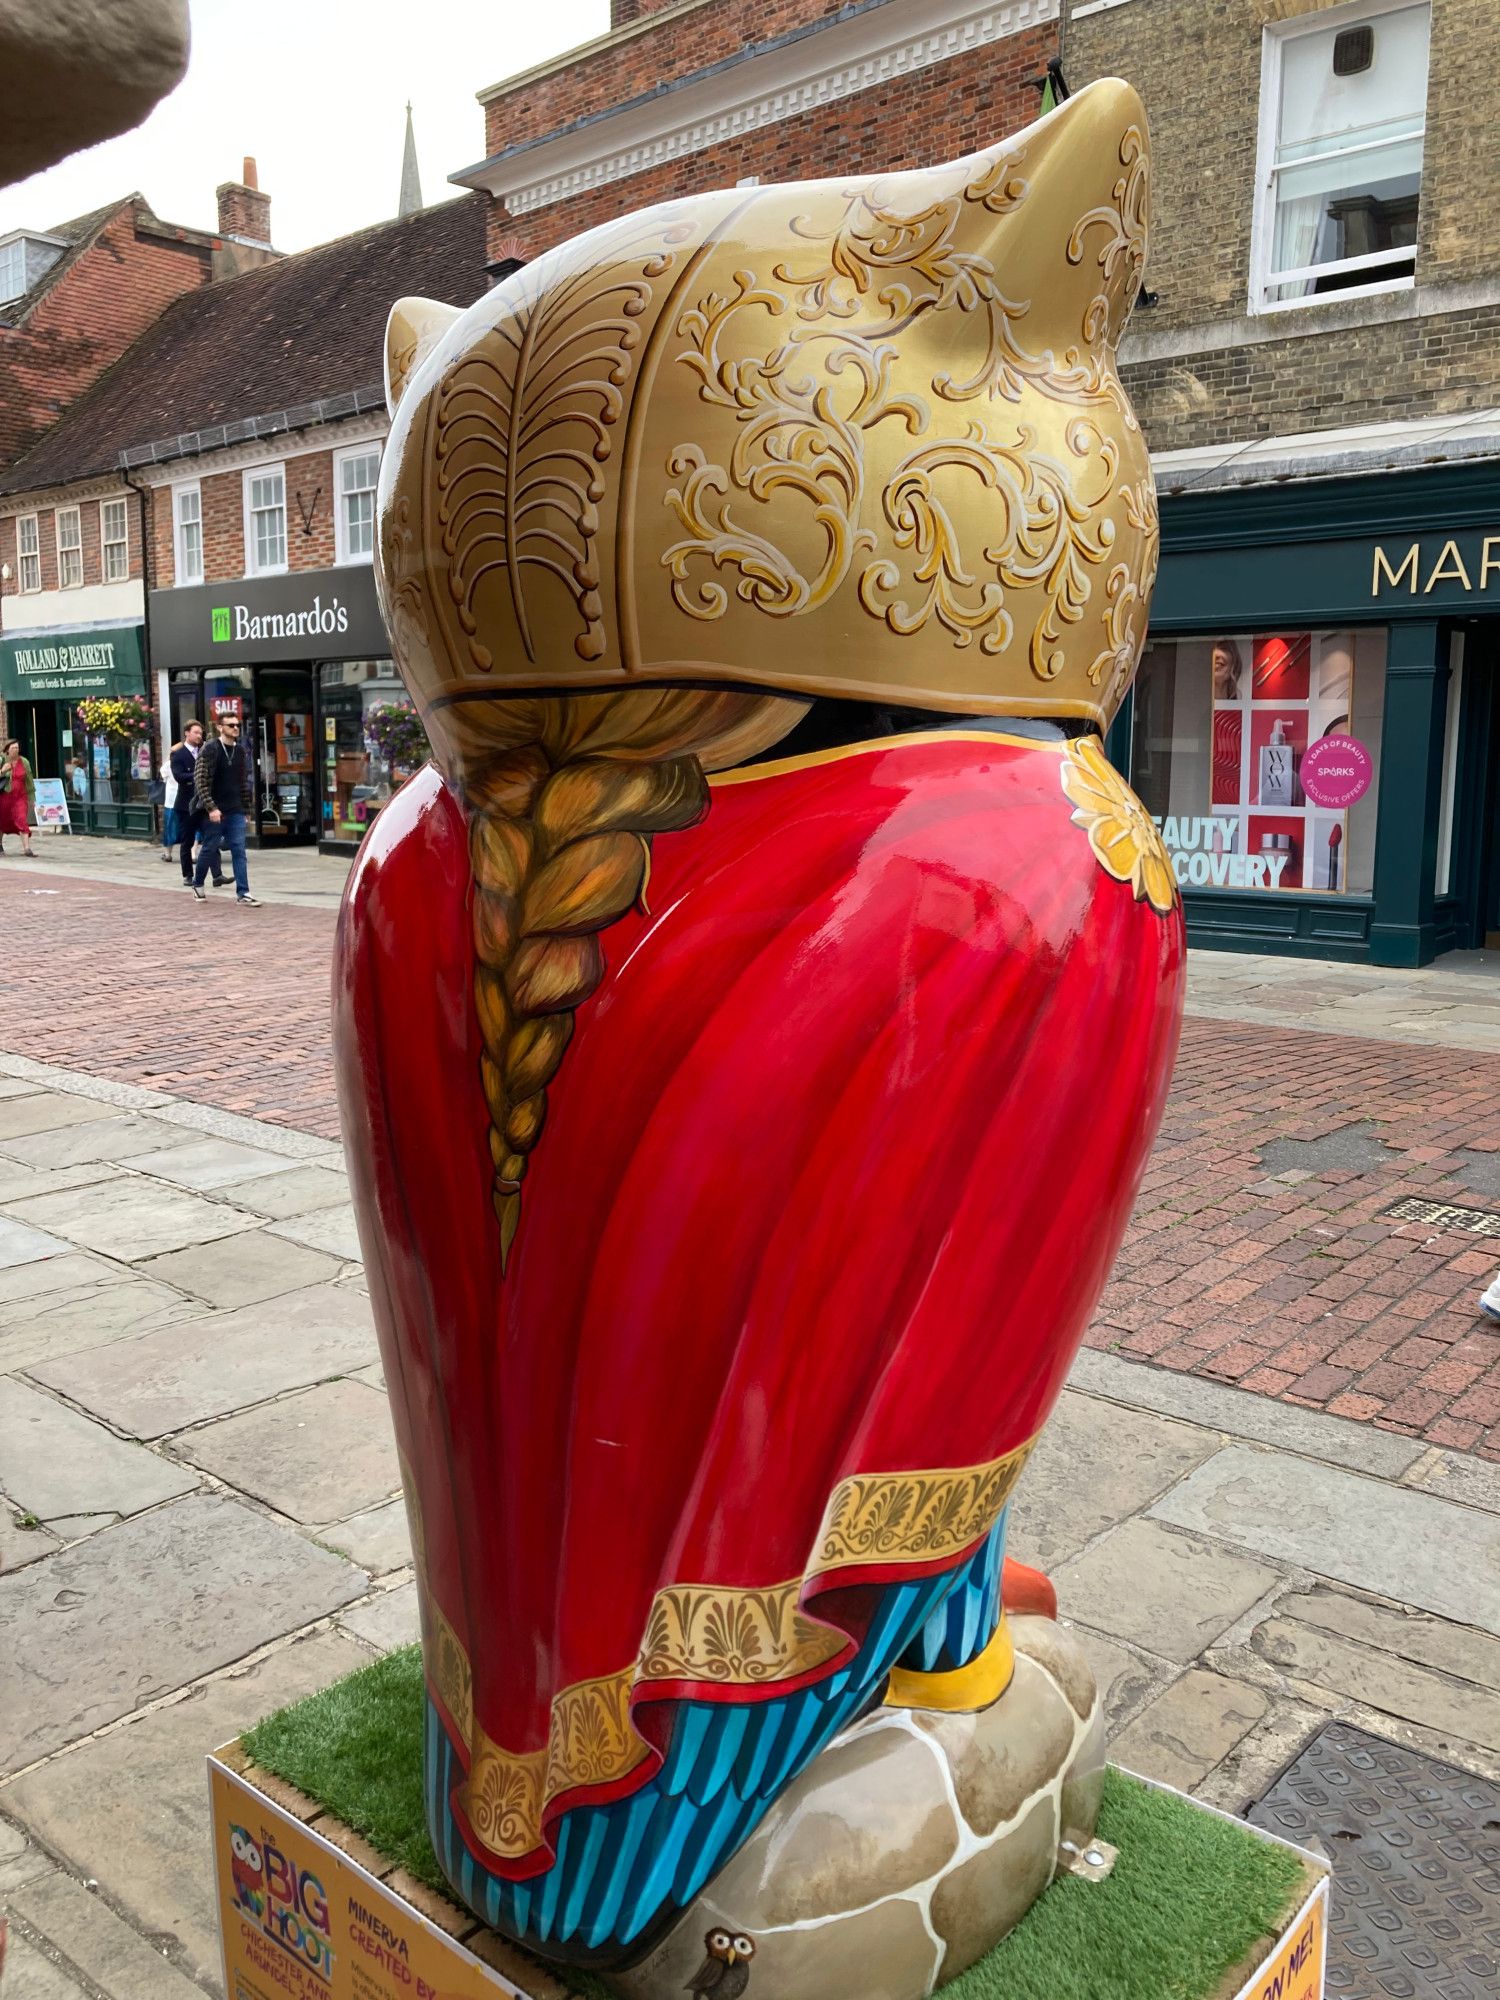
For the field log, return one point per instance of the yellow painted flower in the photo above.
(1121, 832)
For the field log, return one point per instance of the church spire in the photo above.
(411, 184)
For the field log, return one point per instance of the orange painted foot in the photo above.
(1023, 1590)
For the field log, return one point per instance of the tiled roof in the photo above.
(278, 347)
(78, 235)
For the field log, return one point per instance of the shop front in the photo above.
(1314, 725)
(75, 699)
(304, 662)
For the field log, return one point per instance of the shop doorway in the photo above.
(38, 727)
(1469, 837)
(286, 775)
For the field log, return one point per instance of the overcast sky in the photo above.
(316, 90)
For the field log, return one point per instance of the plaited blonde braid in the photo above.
(561, 818)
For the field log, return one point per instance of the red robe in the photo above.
(833, 1173)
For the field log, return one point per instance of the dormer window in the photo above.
(25, 259)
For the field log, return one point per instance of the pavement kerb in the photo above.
(1239, 1413)
(206, 1118)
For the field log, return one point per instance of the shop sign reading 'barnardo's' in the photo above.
(316, 614)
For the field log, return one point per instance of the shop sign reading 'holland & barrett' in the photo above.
(65, 666)
(317, 614)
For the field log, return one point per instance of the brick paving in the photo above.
(226, 1006)
(1293, 1284)
(1298, 1285)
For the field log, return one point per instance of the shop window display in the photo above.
(1259, 757)
(366, 754)
(110, 755)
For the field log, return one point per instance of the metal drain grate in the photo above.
(1443, 1215)
(1415, 1848)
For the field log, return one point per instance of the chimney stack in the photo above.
(244, 212)
(244, 224)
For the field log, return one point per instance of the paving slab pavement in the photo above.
(314, 1456)
(57, 1910)
(55, 1462)
(130, 1219)
(378, 1539)
(106, 1134)
(330, 1229)
(1169, 1592)
(22, 1245)
(37, 1972)
(243, 1269)
(293, 1191)
(22, 1539)
(1401, 1544)
(1221, 1647)
(387, 1621)
(187, 1372)
(143, 1608)
(128, 1808)
(76, 1301)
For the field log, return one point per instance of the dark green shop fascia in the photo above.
(1417, 552)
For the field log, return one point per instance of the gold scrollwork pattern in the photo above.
(797, 434)
(1122, 257)
(1040, 536)
(805, 411)
(1121, 832)
(1128, 599)
(713, 1635)
(886, 267)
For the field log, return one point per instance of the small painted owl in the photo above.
(247, 1869)
(726, 1970)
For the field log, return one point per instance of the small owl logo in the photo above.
(248, 1870)
(726, 1970)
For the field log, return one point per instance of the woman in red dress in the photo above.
(17, 797)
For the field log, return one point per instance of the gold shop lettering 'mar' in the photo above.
(1418, 572)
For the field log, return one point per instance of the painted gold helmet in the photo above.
(859, 437)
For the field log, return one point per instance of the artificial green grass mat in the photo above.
(356, 1748)
(1189, 1899)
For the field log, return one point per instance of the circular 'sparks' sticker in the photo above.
(1336, 770)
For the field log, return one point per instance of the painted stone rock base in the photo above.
(907, 1850)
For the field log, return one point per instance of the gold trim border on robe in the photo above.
(714, 1634)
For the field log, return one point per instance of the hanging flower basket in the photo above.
(120, 718)
(394, 730)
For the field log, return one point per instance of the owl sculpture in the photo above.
(725, 1970)
(753, 1026)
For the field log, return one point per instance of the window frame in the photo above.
(59, 515)
(33, 555)
(252, 566)
(15, 247)
(180, 579)
(341, 458)
(106, 543)
(1275, 38)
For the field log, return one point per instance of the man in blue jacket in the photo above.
(183, 760)
(223, 788)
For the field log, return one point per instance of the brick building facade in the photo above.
(1317, 377)
(240, 436)
(694, 94)
(1206, 362)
